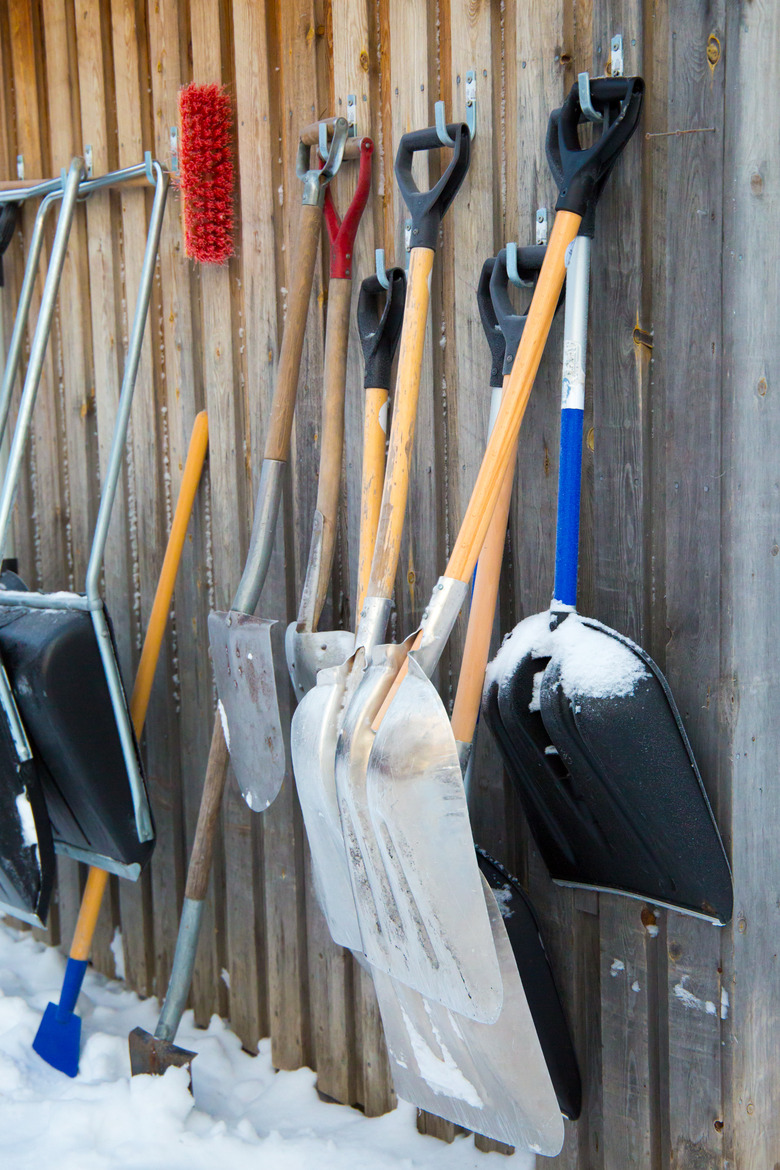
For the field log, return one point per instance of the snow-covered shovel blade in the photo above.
(152, 1056)
(26, 848)
(246, 685)
(491, 1078)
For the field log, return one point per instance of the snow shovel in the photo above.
(58, 648)
(588, 727)
(316, 722)
(239, 637)
(241, 642)
(510, 1080)
(58, 1037)
(314, 741)
(395, 760)
(309, 650)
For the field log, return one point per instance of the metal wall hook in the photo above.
(512, 270)
(381, 271)
(583, 82)
(471, 112)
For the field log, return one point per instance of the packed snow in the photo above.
(591, 659)
(242, 1114)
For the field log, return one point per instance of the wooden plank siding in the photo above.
(679, 532)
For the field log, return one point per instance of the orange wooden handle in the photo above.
(491, 474)
(374, 439)
(277, 443)
(139, 703)
(396, 488)
(483, 608)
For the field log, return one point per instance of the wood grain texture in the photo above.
(749, 670)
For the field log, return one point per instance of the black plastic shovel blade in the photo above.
(595, 746)
(152, 1056)
(538, 981)
(26, 848)
(57, 676)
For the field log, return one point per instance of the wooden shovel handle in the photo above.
(323, 543)
(483, 608)
(277, 444)
(310, 136)
(374, 439)
(493, 470)
(396, 487)
(208, 816)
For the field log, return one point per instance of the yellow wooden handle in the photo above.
(483, 608)
(399, 458)
(139, 703)
(499, 449)
(374, 438)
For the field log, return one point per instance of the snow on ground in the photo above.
(243, 1115)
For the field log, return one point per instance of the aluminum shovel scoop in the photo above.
(471, 1073)
(317, 722)
(587, 724)
(315, 731)
(308, 649)
(240, 641)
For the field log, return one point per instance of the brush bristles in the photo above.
(206, 173)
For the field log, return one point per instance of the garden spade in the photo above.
(240, 645)
(315, 740)
(586, 722)
(240, 641)
(395, 761)
(308, 649)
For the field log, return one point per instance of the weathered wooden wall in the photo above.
(679, 1046)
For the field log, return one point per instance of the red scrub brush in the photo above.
(206, 172)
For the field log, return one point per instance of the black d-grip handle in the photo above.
(511, 323)
(495, 337)
(427, 208)
(581, 172)
(379, 333)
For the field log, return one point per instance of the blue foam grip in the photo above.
(568, 531)
(58, 1038)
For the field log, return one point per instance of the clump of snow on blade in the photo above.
(531, 636)
(439, 1070)
(594, 663)
(26, 819)
(243, 1114)
(504, 899)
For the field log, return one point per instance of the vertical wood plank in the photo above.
(103, 256)
(751, 586)
(693, 465)
(191, 679)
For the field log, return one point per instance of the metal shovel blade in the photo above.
(622, 808)
(310, 652)
(490, 1078)
(414, 872)
(246, 686)
(152, 1056)
(313, 736)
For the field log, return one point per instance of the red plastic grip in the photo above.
(342, 232)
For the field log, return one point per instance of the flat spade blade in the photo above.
(410, 845)
(310, 652)
(490, 1078)
(604, 769)
(152, 1056)
(246, 686)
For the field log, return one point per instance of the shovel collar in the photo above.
(439, 617)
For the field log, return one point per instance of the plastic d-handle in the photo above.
(493, 334)
(572, 414)
(379, 332)
(427, 208)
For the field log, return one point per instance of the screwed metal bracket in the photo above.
(175, 149)
(616, 51)
(351, 115)
(407, 242)
(541, 225)
(88, 159)
(439, 617)
(471, 111)
(20, 166)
